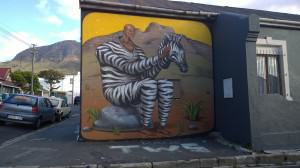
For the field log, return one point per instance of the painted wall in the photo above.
(230, 33)
(275, 120)
(117, 95)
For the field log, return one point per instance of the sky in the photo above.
(44, 22)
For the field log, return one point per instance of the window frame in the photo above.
(268, 42)
(267, 73)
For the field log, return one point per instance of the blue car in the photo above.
(27, 109)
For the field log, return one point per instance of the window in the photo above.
(49, 103)
(22, 100)
(54, 102)
(272, 67)
(268, 74)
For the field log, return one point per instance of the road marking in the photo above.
(125, 149)
(31, 150)
(22, 137)
(77, 129)
(75, 115)
(28, 152)
(38, 139)
(171, 148)
(192, 147)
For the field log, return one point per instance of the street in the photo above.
(10, 131)
(56, 144)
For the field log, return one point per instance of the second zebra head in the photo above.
(177, 53)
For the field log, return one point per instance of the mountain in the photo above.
(63, 56)
(198, 54)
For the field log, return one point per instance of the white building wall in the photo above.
(66, 86)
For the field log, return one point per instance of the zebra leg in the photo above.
(165, 94)
(148, 95)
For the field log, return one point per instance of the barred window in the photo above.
(272, 67)
(268, 74)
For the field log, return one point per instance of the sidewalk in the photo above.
(56, 146)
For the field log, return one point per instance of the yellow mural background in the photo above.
(100, 24)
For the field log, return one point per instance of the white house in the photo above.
(66, 86)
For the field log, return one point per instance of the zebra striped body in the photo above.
(128, 80)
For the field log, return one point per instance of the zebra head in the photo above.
(177, 53)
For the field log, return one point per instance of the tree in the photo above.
(23, 80)
(52, 77)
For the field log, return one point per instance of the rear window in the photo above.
(54, 102)
(22, 100)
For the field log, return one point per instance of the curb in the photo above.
(255, 160)
(282, 160)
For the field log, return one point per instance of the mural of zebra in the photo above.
(128, 77)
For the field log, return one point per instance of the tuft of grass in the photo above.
(93, 113)
(192, 110)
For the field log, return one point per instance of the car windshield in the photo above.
(54, 102)
(22, 100)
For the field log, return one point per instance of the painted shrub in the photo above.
(145, 77)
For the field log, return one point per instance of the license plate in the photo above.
(15, 117)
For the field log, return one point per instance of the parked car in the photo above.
(4, 96)
(77, 100)
(62, 109)
(27, 109)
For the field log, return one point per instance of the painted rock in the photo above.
(118, 118)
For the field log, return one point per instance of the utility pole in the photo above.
(34, 52)
(72, 89)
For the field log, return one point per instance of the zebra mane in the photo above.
(169, 39)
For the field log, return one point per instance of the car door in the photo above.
(42, 109)
(49, 109)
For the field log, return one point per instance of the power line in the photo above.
(14, 36)
(15, 32)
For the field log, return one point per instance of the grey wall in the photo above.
(230, 33)
(276, 121)
(264, 121)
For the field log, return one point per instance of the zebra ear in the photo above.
(179, 37)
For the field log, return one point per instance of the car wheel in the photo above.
(37, 124)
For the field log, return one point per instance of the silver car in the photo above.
(27, 109)
(62, 108)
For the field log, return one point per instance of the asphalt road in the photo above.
(56, 145)
(11, 130)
